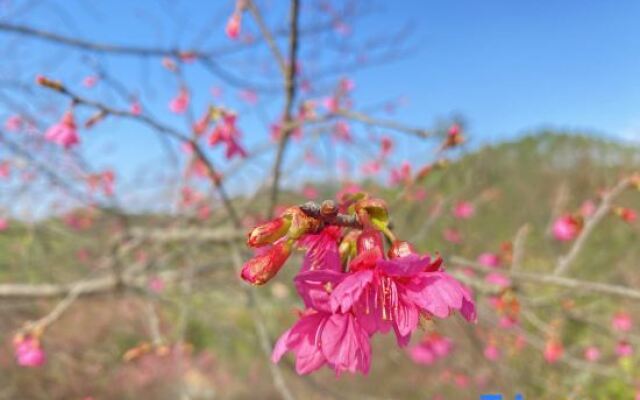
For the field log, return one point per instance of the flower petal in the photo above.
(349, 291)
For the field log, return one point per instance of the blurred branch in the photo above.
(93, 46)
(384, 123)
(290, 71)
(518, 247)
(316, 211)
(261, 330)
(266, 33)
(583, 286)
(187, 234)
(603, 209)
(198, 152)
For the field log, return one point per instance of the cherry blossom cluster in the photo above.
(352, 284)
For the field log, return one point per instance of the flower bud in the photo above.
(301, 223)
(49, 83)
(400, 248)
(626, 214)
(347, 247)
(268, 232)
(372, 211)
(260, 269)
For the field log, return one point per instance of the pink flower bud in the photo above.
(553, 351)
(260, 269)
(464, 210)
(592, 354)
(28, 351)
(233, 25)
(64, 133)
(566, 228)
(268, 232)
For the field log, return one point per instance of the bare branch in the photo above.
(579, 285)
(314, 210)
(290, 71)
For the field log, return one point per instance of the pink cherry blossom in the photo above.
(13, 123)
(346, 85)
(401, 174)
(621, 322)
(464, 210)
(232, 28)
(498, 279)
(5, 169)
(4, 224)
(342, 132)
(180, 103)
(461, 380)
(156, 284)
(332, 104)
(492, 352)
(489, 259)
(592, 354)
(371, 167)
(627, 214)
(553, 351)
(321, 250)
(227, 133)
(90, 81)
(430, 349)
(507, 322)
(624, 349)
(386, 144)
(587, 208)
(393, 293)
(64, 133)
(452, 235)
(28, 352)
(565, 228)
(321, 337)
(135, 108)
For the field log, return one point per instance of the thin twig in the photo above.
(290, 71)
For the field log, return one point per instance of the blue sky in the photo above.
(509, 67)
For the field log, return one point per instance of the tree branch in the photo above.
(579, 285)
(565, 261)
(290, 93)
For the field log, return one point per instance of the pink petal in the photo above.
(315, 288)
(405, 266)
(349, 290)
(345, 344)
